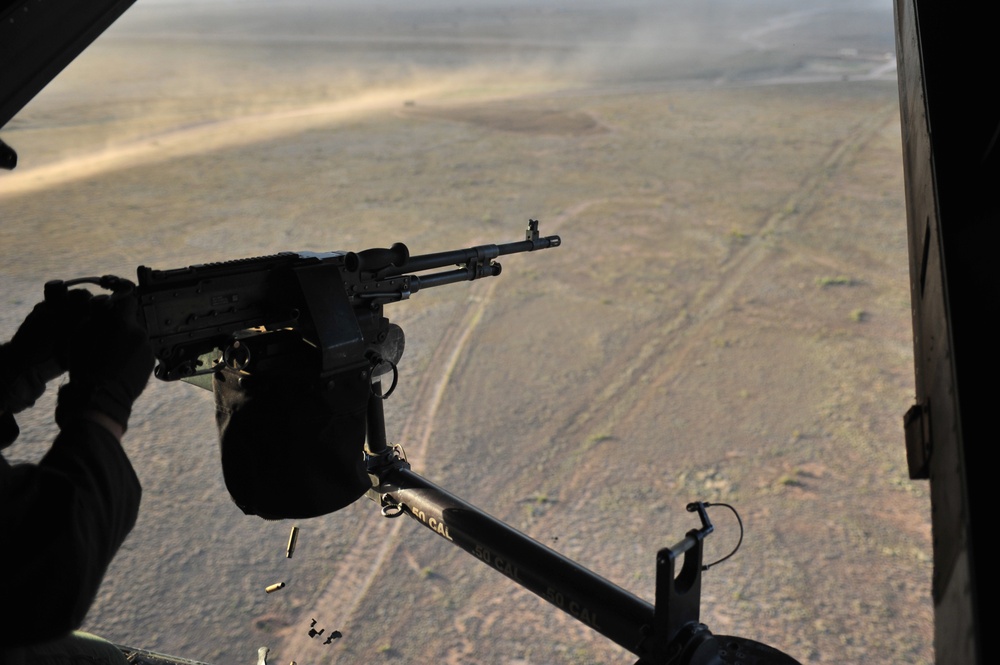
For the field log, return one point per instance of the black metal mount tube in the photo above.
(584, 595)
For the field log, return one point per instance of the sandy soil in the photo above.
(727, 320)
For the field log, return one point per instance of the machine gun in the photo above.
(292, 345)
(333, 299)
(199, 316)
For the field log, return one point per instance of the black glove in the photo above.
(110, 361)
(39, 351)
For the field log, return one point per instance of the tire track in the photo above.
(659, 357)
(714, 299)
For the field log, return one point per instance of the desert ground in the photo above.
(726, 320)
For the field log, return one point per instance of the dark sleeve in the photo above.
(61, 522)
(8, 430)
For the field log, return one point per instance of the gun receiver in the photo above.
(333, 299)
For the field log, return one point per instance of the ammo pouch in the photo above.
(292, 441)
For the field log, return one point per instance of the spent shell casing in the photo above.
(275, 587)
(293, 537)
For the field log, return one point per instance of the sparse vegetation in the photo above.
(839, 280)
(790, 479)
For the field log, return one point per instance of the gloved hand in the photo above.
(39, 351)
(110, 360)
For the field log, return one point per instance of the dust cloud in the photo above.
(222, 74)
(228, 132)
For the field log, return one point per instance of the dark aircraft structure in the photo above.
(38, 38)
(951, 161)
(951, 157)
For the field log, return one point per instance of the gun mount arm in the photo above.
(668, 634)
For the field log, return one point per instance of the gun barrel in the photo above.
(480, 254)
